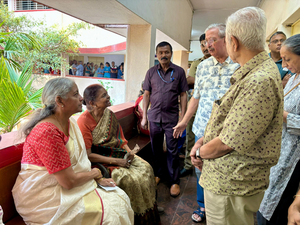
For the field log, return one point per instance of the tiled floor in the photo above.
(178, 210)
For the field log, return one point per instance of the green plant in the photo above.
(17, 99)
(107, 86)
(54, 40)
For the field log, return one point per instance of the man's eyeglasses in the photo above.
(211, 41)
(276, 41)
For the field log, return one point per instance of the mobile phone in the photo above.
(198, 153)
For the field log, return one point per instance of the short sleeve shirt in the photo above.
(248, 118)
(193, 69)
(211, 83)
(164, 95)
(45, 147)
(282, 71)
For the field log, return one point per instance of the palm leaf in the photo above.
(13, 105)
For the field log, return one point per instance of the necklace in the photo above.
(67, 133)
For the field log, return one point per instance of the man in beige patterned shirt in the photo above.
(242, 139)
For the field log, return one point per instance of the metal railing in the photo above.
(28, 5)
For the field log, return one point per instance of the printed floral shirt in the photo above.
(248, 118)
(211, 83)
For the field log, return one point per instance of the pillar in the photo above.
(140, 52)
(181, 58)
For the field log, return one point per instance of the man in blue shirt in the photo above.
(79, 69)
(274, 46)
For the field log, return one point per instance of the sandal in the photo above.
(199, 213)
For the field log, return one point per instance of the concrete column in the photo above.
(181, 58)
(140, 52)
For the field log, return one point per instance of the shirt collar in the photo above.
(171, 66)
(250, 65)
(227, 61)
(279, 61)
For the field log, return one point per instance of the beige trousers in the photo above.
(231, 210)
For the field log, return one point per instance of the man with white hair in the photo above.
(212, 81)
(243, 135)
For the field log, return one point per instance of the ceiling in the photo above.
(207, 12)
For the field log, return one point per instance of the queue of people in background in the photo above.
(93, 70)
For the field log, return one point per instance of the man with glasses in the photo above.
(243, 135)
(212, 82)
(274, 45)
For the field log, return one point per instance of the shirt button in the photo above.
(219, 85)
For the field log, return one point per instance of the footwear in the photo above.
(160, 209)
(184, 172)
(157, 179)
(175, 190)
(199, 213)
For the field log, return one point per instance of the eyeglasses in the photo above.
(276, 41)
(211, 41)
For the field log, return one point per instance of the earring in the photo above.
(62, 106)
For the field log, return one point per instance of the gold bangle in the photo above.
(296, 196)
(99, 175)
(101, 179)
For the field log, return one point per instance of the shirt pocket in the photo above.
(174, 86)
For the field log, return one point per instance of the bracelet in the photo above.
(296, 196)
(101, 179)
(99, 175)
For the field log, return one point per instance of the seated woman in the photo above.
(56, 184)
(105, 143)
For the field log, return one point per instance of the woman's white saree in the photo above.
(40, 199)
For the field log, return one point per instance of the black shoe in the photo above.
(184, 172)
(160, 209)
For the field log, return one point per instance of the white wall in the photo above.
(280, 13)
(95, 37)
(117, 93)
(197, 53)
(173, 17)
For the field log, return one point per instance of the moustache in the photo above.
(164, 58)
(211, 49)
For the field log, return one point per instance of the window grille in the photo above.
(28, 5)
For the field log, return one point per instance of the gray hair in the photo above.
(248, 25)
(55, 87)
(293, 44)
(221, 27)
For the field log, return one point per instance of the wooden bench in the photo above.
(11, 155)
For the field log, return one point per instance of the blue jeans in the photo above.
(200, 191)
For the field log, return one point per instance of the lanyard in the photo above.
(171, 77)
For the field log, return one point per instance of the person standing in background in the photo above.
(274, 45)
(113, 70)
(107, 70)
(163, 84)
